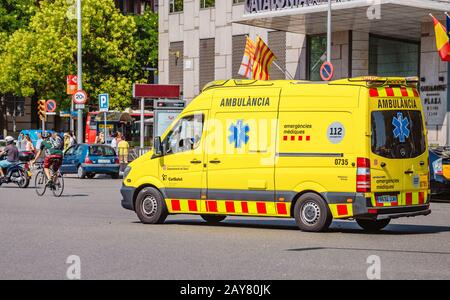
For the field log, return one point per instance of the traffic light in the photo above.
(41, 110)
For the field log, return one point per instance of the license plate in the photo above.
(104, 161)
(387, 199)
(446, 171)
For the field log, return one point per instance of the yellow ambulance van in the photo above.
(348, 149)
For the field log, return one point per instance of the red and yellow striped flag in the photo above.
(263, 60)
(248, 60)
(442, 40)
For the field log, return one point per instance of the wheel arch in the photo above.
(143, 186)
(297, 197)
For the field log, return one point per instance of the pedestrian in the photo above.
(116, 139)
(39, 140)
(29, 147)
(74, 139)
(67, 141)
(100, 138)
(123, 147)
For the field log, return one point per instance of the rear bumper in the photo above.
(101, 168)
(127, 197)
(398, 212)
(362, 207)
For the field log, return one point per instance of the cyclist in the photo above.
(12, 155)
(52, 148)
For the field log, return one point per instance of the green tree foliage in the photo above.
(38, 58)
(14, 15)
(146, 37)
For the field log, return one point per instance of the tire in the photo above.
(373, 225)
(81, 173)
(40, 183)
(58, 188)
(312, 213)
(25, 180)
(213, 219)
(150, 206)
(25, 183)
(90, 175)
(115, 176)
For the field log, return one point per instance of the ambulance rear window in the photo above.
(398, 134)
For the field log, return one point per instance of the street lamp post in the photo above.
(329, 32)
(79, 71)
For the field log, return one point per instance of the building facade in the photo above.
(201, 41)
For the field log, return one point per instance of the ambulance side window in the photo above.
(185, 136)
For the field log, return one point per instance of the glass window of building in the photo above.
(317, 50)
(176, 5)
(207, 3)
(389, 57)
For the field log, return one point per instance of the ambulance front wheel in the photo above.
(312, 214)
(373, 225)
(150, 206)
(213, 219)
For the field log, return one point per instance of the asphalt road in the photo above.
(37, 235)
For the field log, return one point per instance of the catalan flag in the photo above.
(442, 40)
(263, 60)
(246, 69)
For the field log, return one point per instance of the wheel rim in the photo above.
(149, 206)
(310, 213)
(80, 172)
(58, 187)
(40, 184)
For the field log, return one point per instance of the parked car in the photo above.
(440, 170)
(89, 160)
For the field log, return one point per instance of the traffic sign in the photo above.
(103, 102)
(50, 106)
(327, 71)
(72, 84)
(80, 97)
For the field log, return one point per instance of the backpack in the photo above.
(57, 143)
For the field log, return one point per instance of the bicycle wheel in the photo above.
(40, 183)
(58, 185)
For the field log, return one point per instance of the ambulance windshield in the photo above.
(398, 134)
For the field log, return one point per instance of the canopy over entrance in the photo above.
(397, 18)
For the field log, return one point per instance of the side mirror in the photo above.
(157, 145)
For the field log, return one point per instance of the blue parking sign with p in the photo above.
(103, 102)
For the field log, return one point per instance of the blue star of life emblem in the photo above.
(401, 130)
(239, 134)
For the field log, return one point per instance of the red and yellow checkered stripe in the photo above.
(405, 199)
(228, 207)
(393, 92)
(341, 211)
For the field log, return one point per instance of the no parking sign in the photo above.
(50, 106)
(327, 71)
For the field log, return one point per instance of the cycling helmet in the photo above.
(9, 140)
(46, 135)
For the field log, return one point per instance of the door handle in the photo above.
(196, 162)
(215, 161)
(409, 172)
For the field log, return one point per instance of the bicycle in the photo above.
(56, 184)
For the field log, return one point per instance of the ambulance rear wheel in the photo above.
(373, 225)
(213, 219)
(312, 214)
(150, 206)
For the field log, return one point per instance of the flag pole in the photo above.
(285, 71)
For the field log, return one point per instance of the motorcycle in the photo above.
(19, 173)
